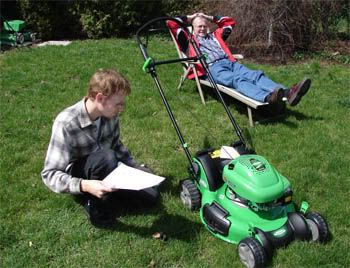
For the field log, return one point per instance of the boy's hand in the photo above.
(94, 187)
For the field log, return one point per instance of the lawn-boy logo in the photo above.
(280, 232)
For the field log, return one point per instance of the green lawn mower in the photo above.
(241, 197)
(14, 33)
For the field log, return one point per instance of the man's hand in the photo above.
(191, 17)
(199, 14)
(94, 187)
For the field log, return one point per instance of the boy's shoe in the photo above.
(99, 216)
(275, 97)
(296, 92)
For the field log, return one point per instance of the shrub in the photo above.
(281, 26)
(102, 18)
(94, 18)
(51, 19)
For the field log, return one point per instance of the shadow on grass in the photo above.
(263, 115)
(170, 186)
(290, 113)
(173, 226)
(302, 117)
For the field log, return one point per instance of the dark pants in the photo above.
(97, 166)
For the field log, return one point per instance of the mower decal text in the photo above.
(280, 232)
(304, 207)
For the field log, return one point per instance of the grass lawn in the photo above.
(39, 228)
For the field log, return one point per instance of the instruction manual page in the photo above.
(125, 177)
(228, 152)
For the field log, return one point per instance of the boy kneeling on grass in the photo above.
(85, 147)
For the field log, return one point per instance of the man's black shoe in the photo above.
(275, 97)
(99, 216)
(296, 92)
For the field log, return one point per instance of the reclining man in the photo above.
(224, 67)
(85, 147)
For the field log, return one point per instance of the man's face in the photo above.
(113, 105)
(200, 26)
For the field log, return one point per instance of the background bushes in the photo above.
(281, 27)
(264, 27)
(89, 18)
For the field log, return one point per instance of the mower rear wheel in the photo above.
(252, 253)
(318, 227)
(190, 195)
(33, 37)
(20, 38)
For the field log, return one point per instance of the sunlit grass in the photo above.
(41, 229)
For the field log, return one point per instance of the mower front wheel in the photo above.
(318, 227)
(252, 253)
(190, 195)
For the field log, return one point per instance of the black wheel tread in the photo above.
(321, 225)
(194, 194)
(257, 250)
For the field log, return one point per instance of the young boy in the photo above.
(85, 147)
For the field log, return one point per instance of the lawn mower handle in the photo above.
(217, 91)
(143, 27)
(150, 64)
(200, 57)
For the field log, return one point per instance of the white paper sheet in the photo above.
(125, 177)
(228, 152)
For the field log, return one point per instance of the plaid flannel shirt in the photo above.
(211, 47)
(74, 135)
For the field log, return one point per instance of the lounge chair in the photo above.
(190, 68)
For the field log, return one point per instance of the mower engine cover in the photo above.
(253, 178)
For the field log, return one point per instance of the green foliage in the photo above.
(281, 27)
(102, 18)
(9, 10)
(322, 56)
(95, 18)
(175, 7)
(96, 23)
(51, 19)
(37, 16)
(326, 16)
(39, 228)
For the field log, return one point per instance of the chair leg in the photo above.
(182, 80)
(199, 87)
(250, 116)
(183, 77)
